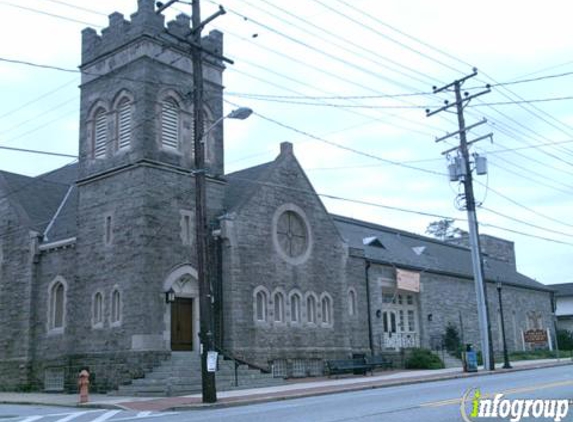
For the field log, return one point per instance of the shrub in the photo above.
(533, 354)
(452, 341)
(423, 359)
(565, 339)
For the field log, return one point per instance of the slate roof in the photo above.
(40, 197)
(240, 186)
(563, 289)
(436, 256)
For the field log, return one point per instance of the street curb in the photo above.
(109, 406)
(296, 394)
(397, 383)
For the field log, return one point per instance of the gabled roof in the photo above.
(40, 197)
(410, 250)
(562, 289)
(242, 185)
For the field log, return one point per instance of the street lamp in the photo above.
(506, 364)
(240, 113)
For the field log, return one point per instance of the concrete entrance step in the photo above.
(181, 375)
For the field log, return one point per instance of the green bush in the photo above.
(533, 354)
(452, 341)
(423, 359)
(565, 339)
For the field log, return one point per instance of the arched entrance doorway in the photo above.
(182, 315)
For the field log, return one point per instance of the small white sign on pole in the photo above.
(212, 361)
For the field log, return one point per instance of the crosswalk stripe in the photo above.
(31, 418)
(106, 416)
(71, 416)
(143, 414)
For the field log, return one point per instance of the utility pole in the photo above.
(206, 334)
(461, 170)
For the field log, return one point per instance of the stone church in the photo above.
(88, 252)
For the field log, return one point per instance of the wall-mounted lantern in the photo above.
(170, 296)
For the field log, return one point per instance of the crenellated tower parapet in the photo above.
(137, 90)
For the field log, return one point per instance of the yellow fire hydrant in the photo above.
(83, 384)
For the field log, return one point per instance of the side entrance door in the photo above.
(182, 324)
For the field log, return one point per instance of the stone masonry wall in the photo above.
(17, 247)
(252, 261)
(445, 298)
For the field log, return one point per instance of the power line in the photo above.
(73, 6)
(35, 100)
(429, 46)
(34, 151)
(42, 66)
(43, 113)
(535, 226)
(250, 75)
(43, 125)
(53, 15)
(342, 147)
(314, 49)
(355, 47)
(461, 61)
(328, 97)
(362, 24)
(278, 99)
(525, 207)
(399, 209)
(531, 179)
(537, 79)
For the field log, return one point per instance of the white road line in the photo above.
(143, 414)
(32, 418)
(72, 416)
(106, 416)
(150, 416)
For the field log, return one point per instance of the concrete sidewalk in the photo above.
(295, 389)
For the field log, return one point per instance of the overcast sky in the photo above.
(347, 82)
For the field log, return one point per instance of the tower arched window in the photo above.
(57, 305)
(351, 302)
(279, 307)
(261, 298)
(295, 308)
(97, 316)
(326, 310)
(311, 309)
(169, 124)
(115, 307)
(124, 123)
(100, 133)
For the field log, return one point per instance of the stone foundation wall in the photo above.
(108, 370)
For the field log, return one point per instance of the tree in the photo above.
(444, 229)
(451, 339)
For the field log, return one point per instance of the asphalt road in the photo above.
(427, 402)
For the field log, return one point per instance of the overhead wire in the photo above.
(53, 15)
(37, 99)
(375, 58)
(319, 51)
(73, 6)
(416, 40)
(496, 83)
(516, 203)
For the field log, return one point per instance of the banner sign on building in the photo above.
(408, 280)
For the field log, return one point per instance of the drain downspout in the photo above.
(367, 277)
